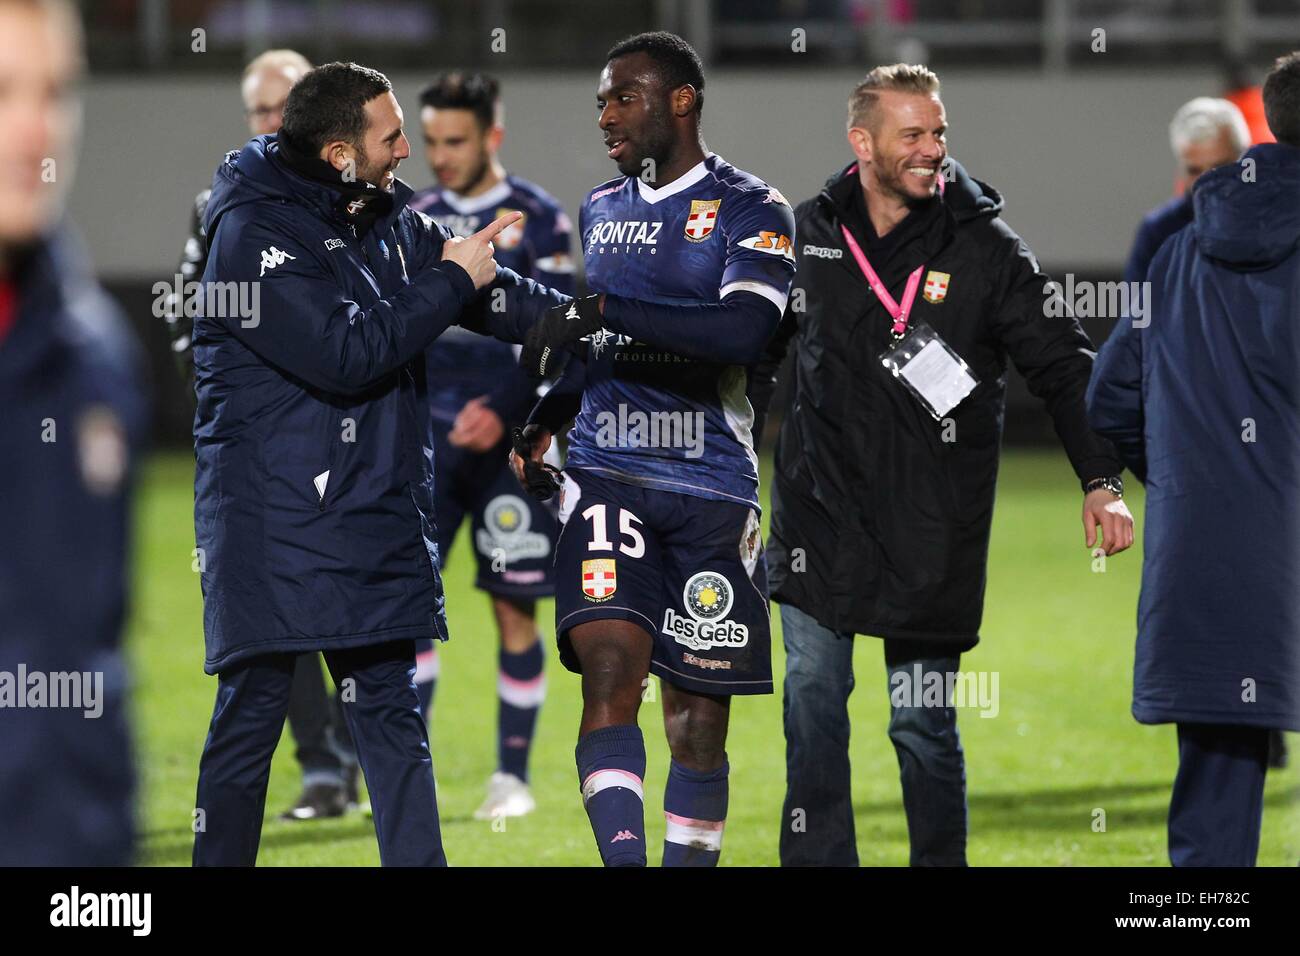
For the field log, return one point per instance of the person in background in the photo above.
(1203, 403)
(1204, 133)
(476, 392)
(73, 418)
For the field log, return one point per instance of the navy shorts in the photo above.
(511, 532)
(688, 570)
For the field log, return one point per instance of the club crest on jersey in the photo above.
(599, 579)
(703, 217)
(512, 235)
(936, 286)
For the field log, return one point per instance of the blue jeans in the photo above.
(817, 820)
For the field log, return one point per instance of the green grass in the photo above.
(1064, 745)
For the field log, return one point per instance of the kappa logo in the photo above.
(624, 835)
(703, 218)
(822, 252)
(273, 257)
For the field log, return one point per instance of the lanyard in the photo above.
(897, 312)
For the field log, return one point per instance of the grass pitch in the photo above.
(1062, 747)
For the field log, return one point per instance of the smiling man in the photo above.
(917, 295)
(313, 500)
(659, 567)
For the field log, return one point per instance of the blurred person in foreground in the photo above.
(72, 420)
(1203, 403)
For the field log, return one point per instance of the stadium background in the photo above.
(1073, 136)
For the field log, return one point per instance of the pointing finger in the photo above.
(488, 232)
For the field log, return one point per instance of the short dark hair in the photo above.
(477, 92)
(329, 104)
(676, 60)
(1282, 99)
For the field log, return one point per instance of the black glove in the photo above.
(541, 480)
(559, 327)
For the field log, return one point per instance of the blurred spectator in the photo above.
(1204, 133)
(72, 423)
(1247, 96)
(1203, 403)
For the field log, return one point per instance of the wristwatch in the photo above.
(1113, 484)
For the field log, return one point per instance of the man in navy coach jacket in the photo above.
(1203, 404)
(313, 490)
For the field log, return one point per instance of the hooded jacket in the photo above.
(880, 514)
(73, 420)
(313, 500)
(1203, 403)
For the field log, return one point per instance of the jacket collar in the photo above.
(51, 281)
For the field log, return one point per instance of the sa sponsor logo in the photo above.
(936, 286)
(599, 579)
(708, 597)
(702, 220)
(773, 243)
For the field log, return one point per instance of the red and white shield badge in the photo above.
(936, 286)
(599, 579)
(703, 217)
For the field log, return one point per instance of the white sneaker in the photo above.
(508, 796)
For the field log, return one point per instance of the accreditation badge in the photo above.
(936, 375)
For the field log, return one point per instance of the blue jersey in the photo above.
(461, 364)
(650, 417)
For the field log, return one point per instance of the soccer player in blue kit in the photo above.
(659, 567)
(476, 390)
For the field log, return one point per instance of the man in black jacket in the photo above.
(885, 475)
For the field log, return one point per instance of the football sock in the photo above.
(521, 688)
(611, 765)
(695, 808)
